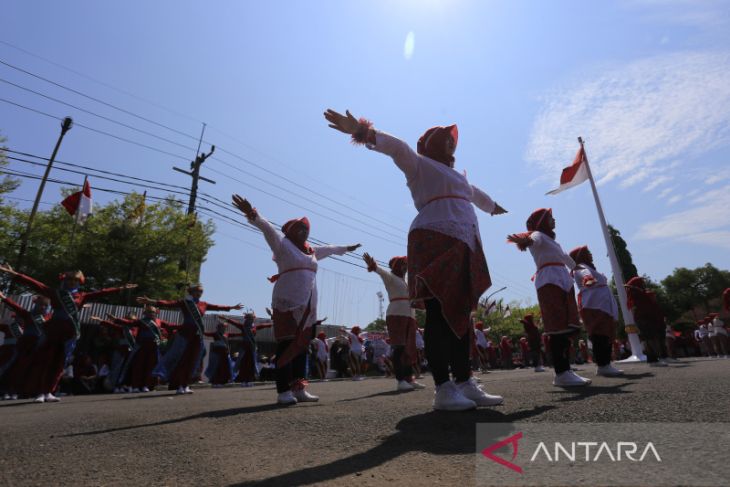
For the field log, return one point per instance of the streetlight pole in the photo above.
(65, 127)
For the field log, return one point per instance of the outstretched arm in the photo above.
(485, 203)
(324, 251)
(362, 132)
(221, 307)
(103, 292)
(272, 235)
(22, 313)
(231, 322)
(160, 303)
(28, 281)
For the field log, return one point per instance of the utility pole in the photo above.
(195, 174)
(65, 127)
(380, 302)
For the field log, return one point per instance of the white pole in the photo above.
(637, 354)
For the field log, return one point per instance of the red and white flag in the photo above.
(574, 174)
(79, 202)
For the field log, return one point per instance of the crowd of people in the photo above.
(447, 274)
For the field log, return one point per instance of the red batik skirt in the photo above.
(558, 309)
(402, 333)
(445, 268)
(598, 322)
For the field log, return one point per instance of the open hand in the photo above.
(238, 306)
(145, 300)
(352, 248)
(244, 206)
(130, 286)
(372, 265)
(498, 210)
(7, 269)
(519, 240)
(344, 123)
(96, 318)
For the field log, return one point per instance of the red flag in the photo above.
(79, 202)
(574, 174)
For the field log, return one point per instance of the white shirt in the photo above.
(295, 290)
(355, 344)
(480, 338)
(420, 345)
(396, 287)
(428, 179)
(719, 327)
(702, 331)
(669, 333)
(598, 295)
(321, 350)
(546, 250)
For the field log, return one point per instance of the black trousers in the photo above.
(294, 370)
(403, 370)
(444, 350)
(559, 348)
(601, 349)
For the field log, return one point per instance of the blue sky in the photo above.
(646, 83)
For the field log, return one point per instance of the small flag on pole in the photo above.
(507, 312)
(574, 174)
(79, 202)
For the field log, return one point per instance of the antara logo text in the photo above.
(575, 451)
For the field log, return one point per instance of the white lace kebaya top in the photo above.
(551, 262)
(397, 289)
(442, 196)
(594, 291)
(296, 287)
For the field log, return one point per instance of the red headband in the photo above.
(355, 330)
(395, 260)
(290, 224)
(577, 252)
(432, 143)
(75, 274)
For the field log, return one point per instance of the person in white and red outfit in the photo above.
(446, 264)
(598, 309)
(555, 292)
(400, 320)
(62, 330)
(356, 351)
(322, 352)
(481, 343)
(294, 298)
(649, 320)
(182, 361)
(720, 339)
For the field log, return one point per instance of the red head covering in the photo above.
(321, 335)
(73, 274)
(395, 260)
(528, 320)
(287, 231)
(700, 322)
(432, 143)
(713, 315)
(355, 329)
(580, 255)
(479, 325)
(537, 221)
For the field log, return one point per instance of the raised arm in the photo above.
(362, 132)
(103, 292)
(22, 313)
(220, 307)
(28, 281)
(161, 303)
(231, 322)
(271, 234)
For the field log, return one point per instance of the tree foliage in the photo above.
(117, 244)
(625, 261)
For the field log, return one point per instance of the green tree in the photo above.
(695, 292)
(625, 261)
(376, 325)
(117, 244)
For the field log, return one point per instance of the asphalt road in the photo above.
(360, 433)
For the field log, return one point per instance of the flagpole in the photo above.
(637, 354)
(76, 220)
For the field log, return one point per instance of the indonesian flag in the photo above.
(79, 202)
(574, 174)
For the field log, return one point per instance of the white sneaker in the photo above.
(404, 386)
(539, 368)
(570, 379)
(13, 397)
(51, 398)
(40, 398)
(180, 390)
(417, 385)
(448, 397)
(609, 371)
(286, 399)
(471, 390)
(303, 396)
(145, 389)
(658, 364)
(135, 391)
(118, 390)
(6, 397)
(188, 390)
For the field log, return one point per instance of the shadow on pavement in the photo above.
(435, 432)
(379, 394)
(580, 393)
(223, 413)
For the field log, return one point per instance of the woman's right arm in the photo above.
(272, 235)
